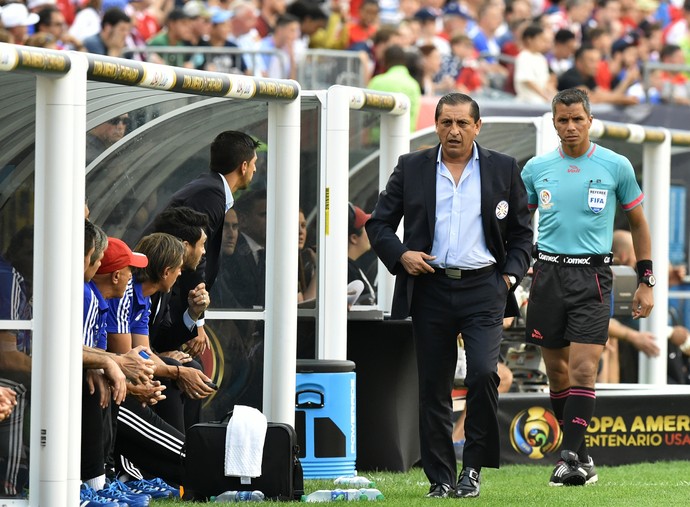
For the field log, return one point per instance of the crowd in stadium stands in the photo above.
(528, 49)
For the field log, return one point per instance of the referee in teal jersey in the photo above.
(576, 189)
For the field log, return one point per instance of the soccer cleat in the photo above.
(590, 470)
(568, 471)
(116, 490)
(100, 502)
(158, 482)
(89, 498)
(148, 488)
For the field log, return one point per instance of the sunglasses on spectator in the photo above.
(118, 120)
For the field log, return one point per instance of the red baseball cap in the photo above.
(118, 255)
(360, 217)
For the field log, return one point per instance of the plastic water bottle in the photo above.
(333, 495)
(238, 496)
(354, 482)
(371, 494)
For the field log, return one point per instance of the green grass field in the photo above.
(663, 484)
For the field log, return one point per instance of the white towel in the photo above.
(354, 290)
(244, 442)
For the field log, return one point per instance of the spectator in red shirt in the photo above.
(367, 22)
(147, 17)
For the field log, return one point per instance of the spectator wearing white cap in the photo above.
(16, 19)
(37, 5)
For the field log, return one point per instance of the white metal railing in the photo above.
(316, 68)
(251, 57)
(59, 196)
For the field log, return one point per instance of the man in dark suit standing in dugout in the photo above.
(467, 243)
(232, 167)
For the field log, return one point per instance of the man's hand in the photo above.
(415, 263)
(644, 342)
(193, 383)
(198, 345)
(679, 336)
(137, 369)
(116, 380)
(149, 393)
(97, 382)
(198, 300)
(177, 355)
(8, 400)
(643, 301)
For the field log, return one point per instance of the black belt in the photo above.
(457, 273)
(575, 260)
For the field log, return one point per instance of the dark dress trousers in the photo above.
(442, 307)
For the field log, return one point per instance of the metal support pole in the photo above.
(332, 336)
(282, 245)
(395, 141)
(656, 181)
(547, 138)
(79, 66)
(56, 285)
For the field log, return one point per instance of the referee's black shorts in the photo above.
(568, 304)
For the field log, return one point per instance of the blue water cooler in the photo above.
(325, 417)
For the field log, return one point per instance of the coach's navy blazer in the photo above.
(411, 192)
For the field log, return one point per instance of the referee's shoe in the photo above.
(569, 471)
(590, 470)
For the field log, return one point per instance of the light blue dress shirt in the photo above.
(229, 200)
(459, 240)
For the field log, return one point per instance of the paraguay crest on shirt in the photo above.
(596, 199)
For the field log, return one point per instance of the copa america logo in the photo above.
(535, 432)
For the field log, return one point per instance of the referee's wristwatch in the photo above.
(512, 279)
(648, 280)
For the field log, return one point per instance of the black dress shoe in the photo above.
(439, 491)
(468, 483)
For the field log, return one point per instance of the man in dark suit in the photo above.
(246, 268)
(233, 164)
(232, 167)
(467, 242)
